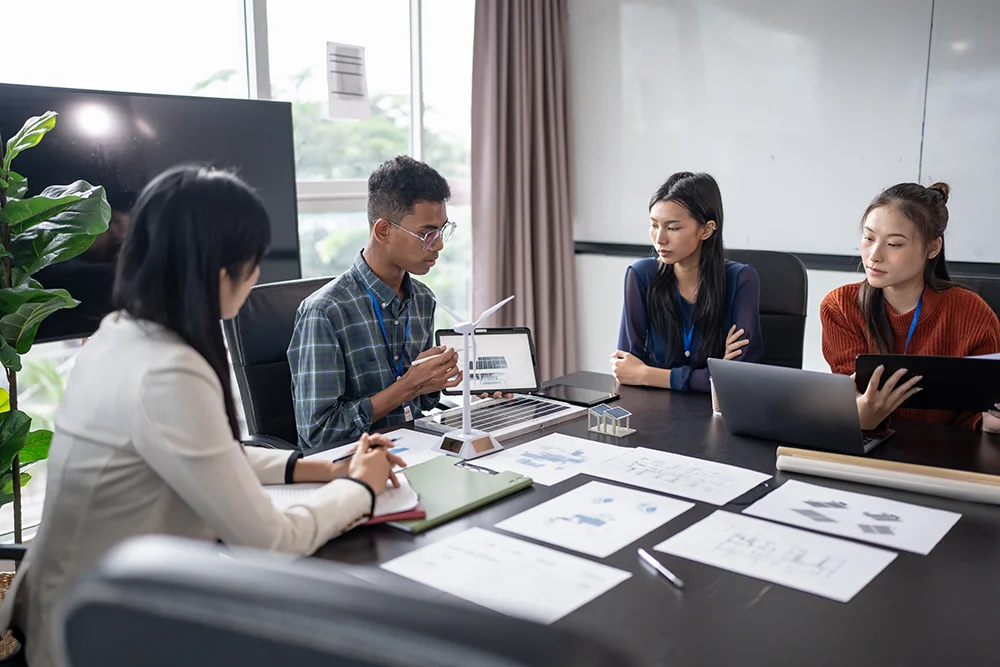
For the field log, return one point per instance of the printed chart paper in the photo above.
(868, 518)
(551, 459)
(596, 518)
(832, 568)
(508, 575)
(684, 476)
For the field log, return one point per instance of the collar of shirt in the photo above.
(386, 295)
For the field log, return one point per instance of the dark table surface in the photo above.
(939, 609)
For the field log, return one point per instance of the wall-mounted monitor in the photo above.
(122, 140)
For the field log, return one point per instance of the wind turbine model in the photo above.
(469, 443)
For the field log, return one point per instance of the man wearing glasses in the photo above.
(355, 341)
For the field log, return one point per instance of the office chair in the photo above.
(162, 602)
(784, 289)
(258, 340)
(988, 287)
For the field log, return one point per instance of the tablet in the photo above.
(949, 383)
(505, 360)
(566, 393)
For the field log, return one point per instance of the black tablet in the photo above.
(949, 383)
(566, 393)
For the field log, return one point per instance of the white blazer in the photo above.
(142, 445)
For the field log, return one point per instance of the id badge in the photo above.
(408, 412)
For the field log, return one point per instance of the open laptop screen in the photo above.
(505, 360)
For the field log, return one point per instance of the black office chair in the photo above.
(988, 287)
(164, 602)
(258, 342)
(784, 289)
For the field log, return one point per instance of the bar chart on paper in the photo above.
(863, 517)
(552, 459)
(596, 519)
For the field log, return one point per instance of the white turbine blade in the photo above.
(490, 311)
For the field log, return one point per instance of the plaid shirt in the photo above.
(339, 357)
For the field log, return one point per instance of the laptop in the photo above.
(505, 362)
(793, 406)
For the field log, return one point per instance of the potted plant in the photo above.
(57, 224)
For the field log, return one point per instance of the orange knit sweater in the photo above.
(953, 323)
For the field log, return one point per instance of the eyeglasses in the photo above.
(429, 239)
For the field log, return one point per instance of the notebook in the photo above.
(449, 488)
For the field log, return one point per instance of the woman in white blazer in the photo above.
(146, 437)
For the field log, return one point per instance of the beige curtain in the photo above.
(522, 224)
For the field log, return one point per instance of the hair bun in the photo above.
(943, 188)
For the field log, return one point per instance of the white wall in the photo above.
(599, 289)
(802, 109)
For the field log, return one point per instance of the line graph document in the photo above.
(596, 519)
(684, 476)
(863, 517)
(551, 459)
(835, 569)
(508, 575)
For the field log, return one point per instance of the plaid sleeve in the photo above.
(429, 401)
(319, 381)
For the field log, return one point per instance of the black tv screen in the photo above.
(121, 141)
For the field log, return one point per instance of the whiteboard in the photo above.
(962, 136)
(803, 110)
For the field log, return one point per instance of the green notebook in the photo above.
(448, 489)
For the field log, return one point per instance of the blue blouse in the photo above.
(637, 336)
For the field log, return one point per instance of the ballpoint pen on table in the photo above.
(656, 565)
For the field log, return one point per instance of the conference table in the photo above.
(938, 609)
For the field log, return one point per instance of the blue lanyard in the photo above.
(385, 337)
(913, 324)
(688, 331)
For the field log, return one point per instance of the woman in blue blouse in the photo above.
(688, 303)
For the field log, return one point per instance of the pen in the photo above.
(655, 564)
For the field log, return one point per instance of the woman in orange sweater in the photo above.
(907, 305)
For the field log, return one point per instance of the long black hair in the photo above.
(926, 208)
(188, 224)
(700, 195)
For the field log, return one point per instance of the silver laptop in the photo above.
(803, 408)
(503, 418)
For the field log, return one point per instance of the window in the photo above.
(134, 46)
(298, 31)
(334, 157)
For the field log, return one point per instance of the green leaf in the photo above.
(9, 356)
(3, 183)
(32, 255)
(19, 328)
(79, 208)
(36, 446)
(18, 186)
(7, 487)
(12, 298)
(4, 253)
(4, 400)
(28, 136)
(14, 426)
